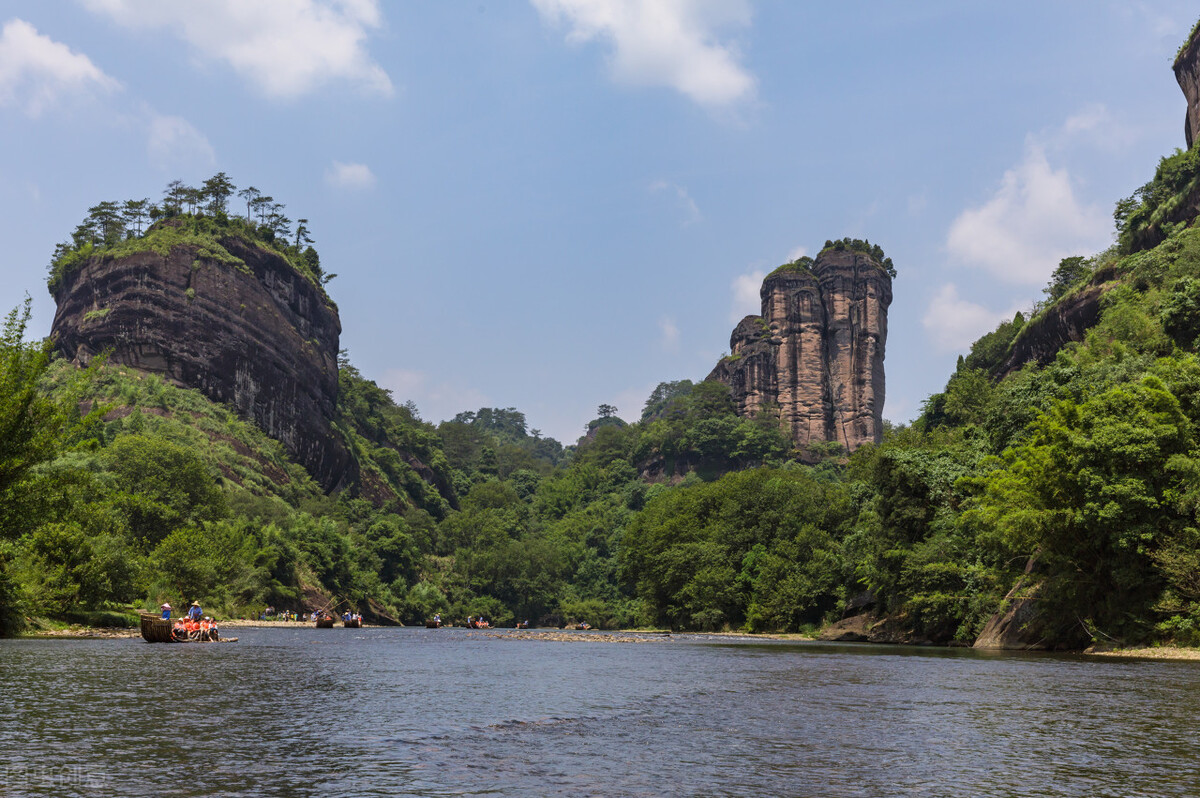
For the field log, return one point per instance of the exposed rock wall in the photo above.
(1066, 321)
(1187, 72)
(814, 358)
(259, 337)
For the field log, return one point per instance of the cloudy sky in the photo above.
(555, 204)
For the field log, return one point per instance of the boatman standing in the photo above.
(166, 612)
(194, 612)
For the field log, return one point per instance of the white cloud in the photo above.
(1095, 125)
(436, 401)
(954, 323)
(796, 253)
(350, 175)
(669, 43)
(174, 145)
(746, 299)
(690, 210)
(669, 334)
(37, 72)
(1031, 223)
(286, 48)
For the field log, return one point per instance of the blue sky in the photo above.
(555, 204)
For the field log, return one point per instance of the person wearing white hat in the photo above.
(194, 612)
(166, 612)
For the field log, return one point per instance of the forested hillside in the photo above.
(1058, 471)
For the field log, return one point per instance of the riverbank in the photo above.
(75, 631)
(1152, 652)
(570, 636)
(84, 631)
(247, 623)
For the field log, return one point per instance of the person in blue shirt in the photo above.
(194, 612)
(166, 612)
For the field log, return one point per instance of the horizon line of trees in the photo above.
(110, 222)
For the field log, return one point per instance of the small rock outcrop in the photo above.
(1011, 629)
(1187, 72)
(814, 358)
(1043, 336)
(247, 330)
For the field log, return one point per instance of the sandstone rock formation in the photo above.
(1187, 72)
(254, 334)
(814, 358)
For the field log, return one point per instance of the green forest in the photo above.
(1075, 481)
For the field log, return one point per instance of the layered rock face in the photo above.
(258, 336)
(814, 358)
(1187, 72)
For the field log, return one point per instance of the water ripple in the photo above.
(410, 712)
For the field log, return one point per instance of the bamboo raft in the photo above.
(432, 624)
(325, 622)
(156, 629)
(354, 623)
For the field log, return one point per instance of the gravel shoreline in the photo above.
(1155, 652)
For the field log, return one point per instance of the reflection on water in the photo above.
(302, 712)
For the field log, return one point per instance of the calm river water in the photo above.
(305, 712)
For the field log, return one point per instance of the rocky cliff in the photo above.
(241, 325)
(814, 358)
(1187, 72)
(1066, 321)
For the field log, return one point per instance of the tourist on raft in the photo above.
(208, 629)
(202, 630)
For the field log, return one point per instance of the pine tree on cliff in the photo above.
(251, 195)
(174, 196)
(135, 213)
(217, 190)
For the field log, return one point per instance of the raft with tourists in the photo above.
(156, 629)
(325, 622)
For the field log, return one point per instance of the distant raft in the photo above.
(325, 622)
(156, 629)
(352, 623)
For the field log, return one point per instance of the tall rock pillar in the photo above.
(856, 292)
(814, 358)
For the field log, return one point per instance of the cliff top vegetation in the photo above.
(874, 251)
(187, 216)
(866, 248)
(801, 265)
(1183, 48)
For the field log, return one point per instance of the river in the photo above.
(305, 712)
